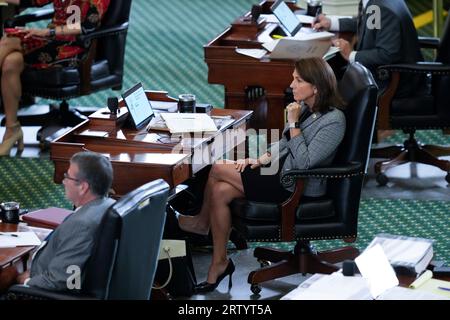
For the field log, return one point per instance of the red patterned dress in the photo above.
(64, 50)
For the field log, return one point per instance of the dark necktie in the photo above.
(359, 19)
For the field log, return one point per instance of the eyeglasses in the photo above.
(66, 176)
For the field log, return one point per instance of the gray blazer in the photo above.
(70, 244)
(394, 42)
(314, 147)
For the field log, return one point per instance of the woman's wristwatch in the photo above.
(294, 125)
(51, 33)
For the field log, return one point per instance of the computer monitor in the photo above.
(291, 24)
(139, 107)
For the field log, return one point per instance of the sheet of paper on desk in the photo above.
(22, 239)
(307, 34)
(331, 287)
(375, 267)
(41, 233)
(305, 19)
(254, 53)
(189, 122)
(399, 293)
(166, 106)
(270, 18)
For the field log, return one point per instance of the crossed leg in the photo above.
(224, 184)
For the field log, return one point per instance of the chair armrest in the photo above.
(21, 292)
(23, 19)
(434, 68)
(393, 72)
(335, 172)
(429, 42)
(104, 32)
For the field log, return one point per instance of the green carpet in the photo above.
(165, 52)
(426, 219)
(29, 181)
(165, 47)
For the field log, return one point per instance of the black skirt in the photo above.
(263, 188)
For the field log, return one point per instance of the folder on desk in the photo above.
(305, 45)
(189, 122)
(46, 218)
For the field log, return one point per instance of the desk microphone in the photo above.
(349, 268)
(256, 12)
(113, 105)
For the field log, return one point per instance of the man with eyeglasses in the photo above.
(86, 184)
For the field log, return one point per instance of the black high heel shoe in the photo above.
(208, 287)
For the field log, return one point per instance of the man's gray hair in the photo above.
(96, 170)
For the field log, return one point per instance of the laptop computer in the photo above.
(139, 107)
(288, 20)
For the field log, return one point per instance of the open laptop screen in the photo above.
(286, 17)
(139, 107)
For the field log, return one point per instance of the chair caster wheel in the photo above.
(263, 263)
(447, 178)
(382, 179)
(256, 288)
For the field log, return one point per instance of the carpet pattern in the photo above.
(165, 52)
(425, 219)
(30, 182)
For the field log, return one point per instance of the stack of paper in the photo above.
(331, 287)
(18, 239)
(303, 45)
(408, 254)
(189, 122)
(254, 53)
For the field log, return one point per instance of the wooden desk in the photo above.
(13, 256)
(240, 74)
(140, 156)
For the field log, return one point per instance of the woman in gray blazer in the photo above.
(310, 139)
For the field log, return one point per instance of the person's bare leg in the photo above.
(8, 45)
(11, 86)
(219, 172)
(220, 217)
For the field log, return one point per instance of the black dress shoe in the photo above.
(208, 287)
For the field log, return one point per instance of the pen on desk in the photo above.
(8, 234)
(444, 288)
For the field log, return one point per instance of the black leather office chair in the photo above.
(124, 260)
(427, 108)
(336, 216)
(101, 69)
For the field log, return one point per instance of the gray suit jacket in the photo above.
(395, 42)
(70, 244)
(314, 147)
